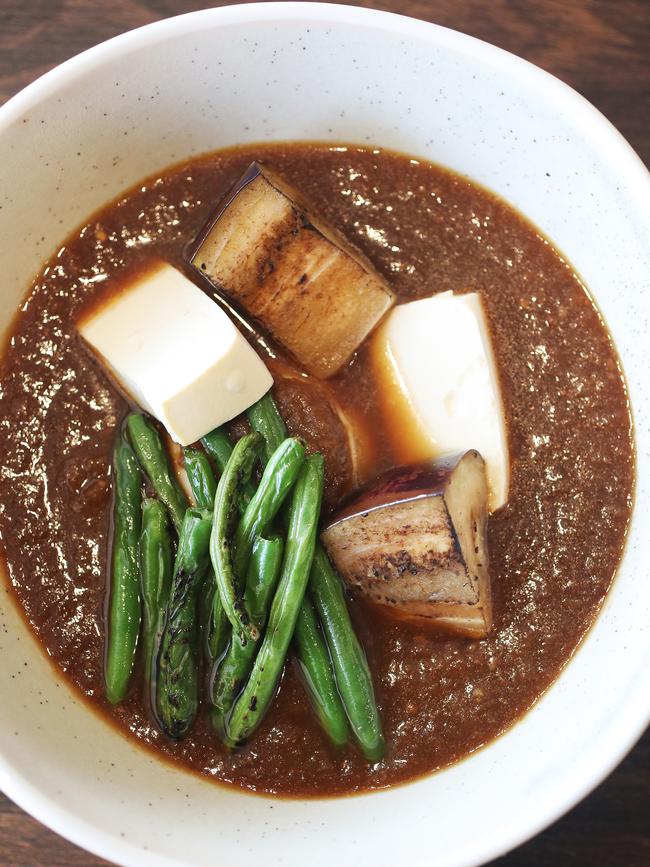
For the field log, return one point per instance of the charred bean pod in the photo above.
(261, 580)
(154, 461)
(201, 478)
(155, 578)
(237, 472)
(124, 608)
(318, 675)
(277, 480)
(215, 627)
(265, 417)
(219, 447)
(193, 552)
(177, 687)
(353, 677)
(258, 693)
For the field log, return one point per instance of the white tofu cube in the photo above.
(440, 374)
(176, 353)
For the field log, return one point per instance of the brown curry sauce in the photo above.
(554, 548)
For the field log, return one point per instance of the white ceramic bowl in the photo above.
(97, 124)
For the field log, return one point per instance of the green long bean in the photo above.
(201, 478)
(265, 417)
(124, 609)
(155, 579)
(304, 512)
(313, 655)
(353, 677)
(154, 461)
(277, 480)
(236, 473)
(177, 690)
(318, 675)
(215, 626)
(218, 446)
(261, 580)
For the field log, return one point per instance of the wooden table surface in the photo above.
(601, 48)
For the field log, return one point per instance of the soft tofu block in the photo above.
(415, 542)
(298, 278)
(176, 353)
(437, 353)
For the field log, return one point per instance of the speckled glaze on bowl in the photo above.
(97, 124)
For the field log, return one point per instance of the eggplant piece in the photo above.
(416, 542)
(301, 280)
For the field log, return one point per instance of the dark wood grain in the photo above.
(600, 47)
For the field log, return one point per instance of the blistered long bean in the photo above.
(318, 675)
(304, 512)
(124, 609)
(261, 580)
(177, 690)
(277, 480)
(155, 579)
(353, 677)
(313, 655)
(201, 478)
(265, 418)
(215, 626)
(219, 447)
(236, 473)
(153, 459)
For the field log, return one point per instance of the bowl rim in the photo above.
(46, 809)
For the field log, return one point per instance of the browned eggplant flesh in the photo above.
(416, 542)
(300, 279)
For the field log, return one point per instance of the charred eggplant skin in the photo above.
(399, 485)
(298, 278)
(192, 250)
(415, 541)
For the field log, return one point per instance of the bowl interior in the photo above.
(299, 71)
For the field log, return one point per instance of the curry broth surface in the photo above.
(554, 548)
